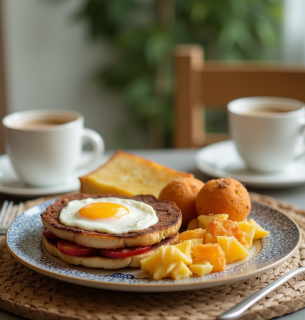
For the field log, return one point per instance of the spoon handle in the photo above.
(238, 310)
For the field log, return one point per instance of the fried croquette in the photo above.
(211, 252)
(183, 191)
(225, 228)
(224, 196)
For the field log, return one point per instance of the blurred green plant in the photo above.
(140, 35)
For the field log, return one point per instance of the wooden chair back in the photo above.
(199, 83)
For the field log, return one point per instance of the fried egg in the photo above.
(110, 215)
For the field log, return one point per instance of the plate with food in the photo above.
(132, 242)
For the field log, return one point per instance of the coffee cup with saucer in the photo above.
(45, 149)
(267, 148)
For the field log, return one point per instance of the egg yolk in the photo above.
(103, 210)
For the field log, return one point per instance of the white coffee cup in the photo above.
(268, 132)
(45, 146)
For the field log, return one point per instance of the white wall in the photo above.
(49, 64)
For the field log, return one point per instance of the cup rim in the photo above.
(234, 106)
(11, 118)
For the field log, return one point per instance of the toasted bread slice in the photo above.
(105, 262)
(169, 215)
(127, 174)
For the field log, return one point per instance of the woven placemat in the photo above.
(29, 294)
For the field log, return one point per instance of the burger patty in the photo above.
(169, 222)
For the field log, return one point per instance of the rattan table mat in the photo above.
(32, 295)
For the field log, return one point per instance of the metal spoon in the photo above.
(238, 310)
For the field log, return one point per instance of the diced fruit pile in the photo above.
(208, 246)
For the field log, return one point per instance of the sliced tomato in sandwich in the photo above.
(73, 249)
(48, 234)
(125, 252)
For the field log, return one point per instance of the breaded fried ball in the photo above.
(225, 228)
(224, 196)
(183, 191)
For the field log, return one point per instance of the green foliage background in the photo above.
(141, 34)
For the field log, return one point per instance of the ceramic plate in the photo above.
(10, 183)
(24, 240)
(221, 160)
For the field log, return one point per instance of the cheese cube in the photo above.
(205, 220)
(259, 232)
(233, 249)
(201, 268)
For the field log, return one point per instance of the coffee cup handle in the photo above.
(97, 142)
(302, 154)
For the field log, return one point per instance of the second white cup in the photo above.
(268, 131)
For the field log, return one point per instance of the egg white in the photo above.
(140, 217)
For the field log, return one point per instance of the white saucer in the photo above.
(221, 160)
(10, 183)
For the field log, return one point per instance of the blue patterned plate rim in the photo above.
(24, 237)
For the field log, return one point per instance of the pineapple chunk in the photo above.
(181, 271)
(192, 234)
(212, 253)
(162, 271)
(201, 268)
(233, 249)
(148, 264)
(174, 255)
(169, 261)
(193, 224)
(204, 220)
(248, 230)
(185, 247)
(259, 232)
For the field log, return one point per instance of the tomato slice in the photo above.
(73, 249)
(46, 233)
(125, 252)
